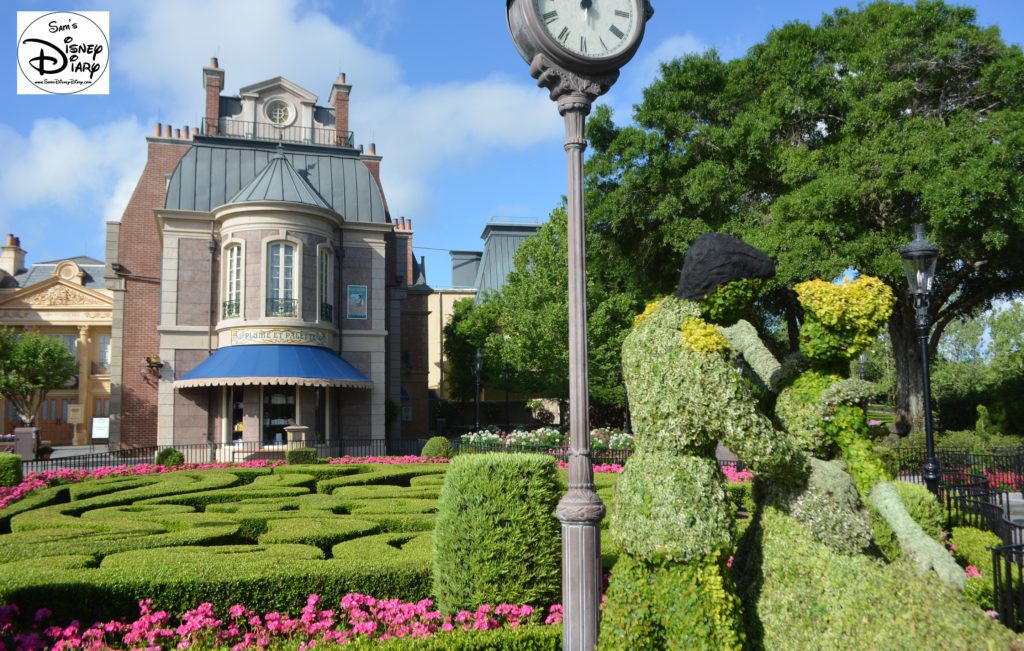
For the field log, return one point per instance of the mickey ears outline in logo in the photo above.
(63, 52)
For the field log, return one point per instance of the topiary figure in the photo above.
(672, 518)
(169, 457)
(437, 447)
(496, 538)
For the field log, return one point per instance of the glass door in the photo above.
(278, 413)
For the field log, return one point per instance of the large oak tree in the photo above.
(822, 145)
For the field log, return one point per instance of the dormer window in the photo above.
(279, 112)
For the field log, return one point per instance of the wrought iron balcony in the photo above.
(228, 128)
(327, 312)
(230, 309)
(282, 307)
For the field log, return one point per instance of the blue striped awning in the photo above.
(274, 364)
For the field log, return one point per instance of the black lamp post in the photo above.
(478, 365)
(506, 374)
(919, 259)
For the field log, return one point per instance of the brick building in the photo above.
(259, 282)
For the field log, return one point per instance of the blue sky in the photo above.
(465, 134)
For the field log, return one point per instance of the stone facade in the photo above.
(218, 197)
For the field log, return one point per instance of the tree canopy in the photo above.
(31, 365)
(821, 146)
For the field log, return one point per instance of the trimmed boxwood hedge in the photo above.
(255, 536)
(10, 469)
(497, 539)
(521, 638)
(306, 456)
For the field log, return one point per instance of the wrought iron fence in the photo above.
(282, 306)
(241, 451)
(1008, 585)
(562, 453)
(231, 309)
(229, 128)
(326, 312)
(1002, 467)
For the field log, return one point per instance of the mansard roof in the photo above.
(214, 170)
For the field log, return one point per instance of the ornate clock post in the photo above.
(575, 49)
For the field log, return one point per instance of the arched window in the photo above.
(232, 306)
(326, 284)
(281, 280)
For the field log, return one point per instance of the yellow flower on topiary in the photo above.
(842, 321)
(639, 318)
(702, 337)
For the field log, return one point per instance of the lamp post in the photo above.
(575, 49)
(506, 374)
(919, 259)
(478, 365)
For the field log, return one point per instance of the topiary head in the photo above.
(723, 274)
(842, 320)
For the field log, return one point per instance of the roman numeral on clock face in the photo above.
(550, 17)
(563, 36)
(615, 30)
(583, 44)
(622, 14)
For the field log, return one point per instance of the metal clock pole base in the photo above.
(580, 513)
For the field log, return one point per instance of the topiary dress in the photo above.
(671, 520)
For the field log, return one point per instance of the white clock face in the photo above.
(594, 29)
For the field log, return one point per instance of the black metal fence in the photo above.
(1003, 467)
(228, 128)
(201, 453)
(1008, 585)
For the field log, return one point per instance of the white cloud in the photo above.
(418, 129)
(61, 165)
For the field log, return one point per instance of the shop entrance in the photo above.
(278, 413)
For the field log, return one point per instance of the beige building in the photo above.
(63, 299)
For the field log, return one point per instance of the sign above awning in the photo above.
(274, 365)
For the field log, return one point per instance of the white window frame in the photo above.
(230, 248)
(296, 244)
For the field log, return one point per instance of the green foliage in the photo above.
(438, 447)
(801, 412)
(970, 547)
(169, 457)
(829, 506)
(31, 365)
(979, 372)
(520, 638)
(684, 402)
(732, 301)
(922, 507)
(497, 539)
(798, 594)
(302, 456)
(917, 547)
(821, 145)
(842, 321)
(741, 496)
(256, 536)
(670, 507)
(665, 605)
(10, 469)
(532, 328)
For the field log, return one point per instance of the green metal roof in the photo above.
(501, 240)
(279, 182)
(213, 171)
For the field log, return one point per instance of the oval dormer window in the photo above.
(279, 112)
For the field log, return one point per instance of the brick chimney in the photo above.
(339, 100)
(213, 82)
(404, 261)
(12, 256)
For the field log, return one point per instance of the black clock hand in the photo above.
(586, 4)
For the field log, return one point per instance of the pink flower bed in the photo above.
(339, 461)
(36, 480)
(358, 617)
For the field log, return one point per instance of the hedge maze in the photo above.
(263, 537)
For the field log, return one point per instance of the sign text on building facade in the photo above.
(280, 336)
